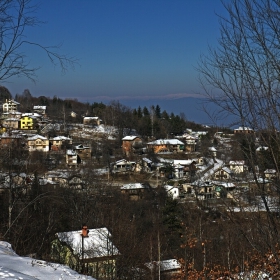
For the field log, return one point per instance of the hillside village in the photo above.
(112, 202)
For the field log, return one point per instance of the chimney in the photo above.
(85, 231)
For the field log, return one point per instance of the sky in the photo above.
(133, 51)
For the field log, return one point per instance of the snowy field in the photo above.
(15, 267)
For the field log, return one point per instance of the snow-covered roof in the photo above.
(224, 184)
(39, 107)
(96, 245)
(129, 138)
(227, 170)
(35, 115)
(183, 161)
(81, 147)
(91, 118)
(37, 136)
(14, 266)
(165, 265)
(44, 182)
(243, 128)
(237, 162)
(133, 186)
(217, 164)
(61, 138)
(71, 153)
(12, 113)
(262, 148)
(166, 142)
(124, 161)
(270, 171)
(147, 160)
(12, 101)
(11, 119)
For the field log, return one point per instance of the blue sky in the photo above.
(126, 49)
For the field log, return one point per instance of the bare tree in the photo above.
(241, 78)
(15, 17)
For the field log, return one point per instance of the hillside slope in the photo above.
(14, 267)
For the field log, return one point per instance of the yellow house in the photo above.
(27, 122)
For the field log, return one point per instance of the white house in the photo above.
(10, 106)
(172, 191)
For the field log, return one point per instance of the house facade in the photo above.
(166, 146)
(59, 142)
(237, 166)
(131, 144)
(243, 130)
(27, 122)
(135, 191)
(223, 173)
(91, 121)
(83, 152)
(38, 143)
(40, 110)
(10, 106)
(71, 158)
(13, 123)
(123, 165)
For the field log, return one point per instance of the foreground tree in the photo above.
(15, 17)
(241, 77)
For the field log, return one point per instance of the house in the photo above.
(243, 130)
(83, 152)
(123, 165)
(76, 182)
(15, 140)
(270, 174)
(90, 251)
(59, 143)
(144, 164)
(169, 268)
(40, 110)
(213, 151)
(12, 114)
(71, 158)
(10, 106)
(27, 122)
(60, 177)
(223, 173)
(204, 190)
(135, 191)
(178, 171)
(190, 142)
(166, 146)
(237, 166)
(91, 121)
(188, 166)
(11, 123)
(131, 144)
(38, 143)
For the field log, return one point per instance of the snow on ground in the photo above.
(258, 205)
(15, 267)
